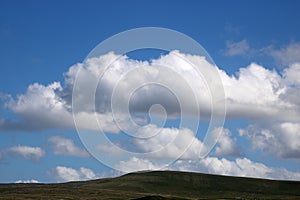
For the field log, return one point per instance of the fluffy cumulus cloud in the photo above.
(64, 146)
(291, 75)
(65, 174)
(291, 78)
(226, 145)
(30, 153)
(43, 107)
(253, 92)
(111, 86)
(169, 143)
(40, 107)
(239, 167)
(259, 93)
(281, 139)
(137, 164)
(174, 143)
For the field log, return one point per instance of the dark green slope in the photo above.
(158, 185)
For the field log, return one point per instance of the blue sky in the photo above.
(40, 41)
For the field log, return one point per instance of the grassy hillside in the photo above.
(158, 185)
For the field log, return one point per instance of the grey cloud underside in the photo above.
(30, 123)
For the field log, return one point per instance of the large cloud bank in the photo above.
(267, 98)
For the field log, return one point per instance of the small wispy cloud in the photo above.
(231, 29)
(65, 146)
(286, 55)
(27, 152)
(27, 181)
(236, 48)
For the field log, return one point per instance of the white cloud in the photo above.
(27, 181)
(157, 143)
(31, 153)
(253, 92)
(169, 143)
(110, 149)
(285, 55)
(288, 54)
(236, 48)
(281, 139)
(137, 164)
(291, 77)
(64, 146)
(65, 174)
(96, 121)
(239, 167)
(226, 145)
(175, 143)
(40, 107)
(258, 93)
(291, 74)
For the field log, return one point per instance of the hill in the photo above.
(158, 185)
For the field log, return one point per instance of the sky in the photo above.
(49, 131)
